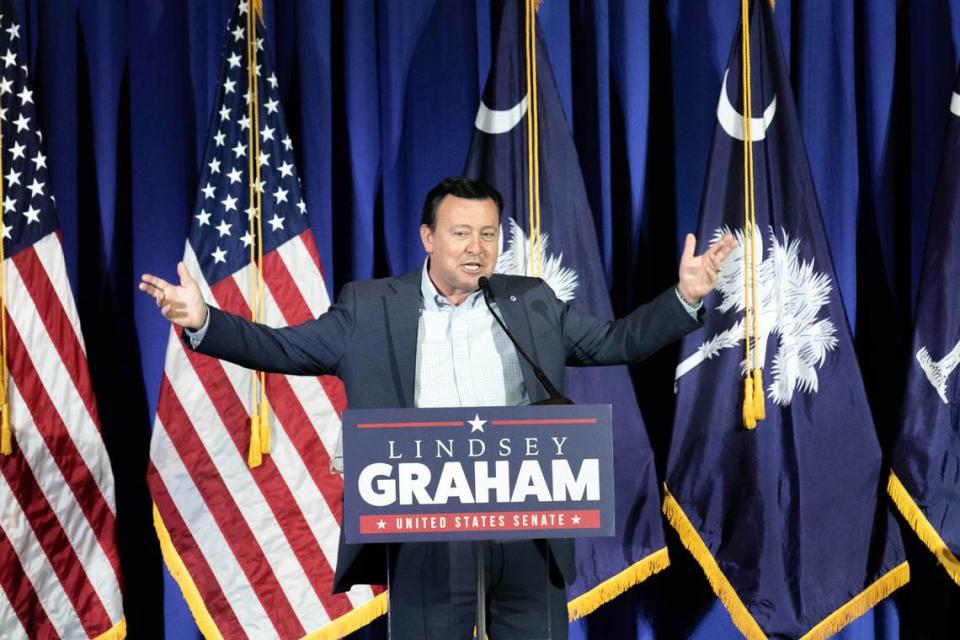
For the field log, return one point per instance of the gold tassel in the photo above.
(255, 456)
(759, 400)
(6, 433)
(116, 632)
(749, 416)
(264, 426)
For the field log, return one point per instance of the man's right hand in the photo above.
(182, 305)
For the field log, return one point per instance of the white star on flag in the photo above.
(276, 222)
(219, 255)
(208, 191)
(32, 214)
(224, 228)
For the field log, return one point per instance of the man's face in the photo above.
(463, 246)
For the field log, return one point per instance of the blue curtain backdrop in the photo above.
(380, 97)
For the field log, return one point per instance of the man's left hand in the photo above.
(699, 274)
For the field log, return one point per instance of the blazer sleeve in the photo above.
(591, 341)
(315, 347)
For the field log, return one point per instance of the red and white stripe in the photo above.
(260, 545)
(61, 570)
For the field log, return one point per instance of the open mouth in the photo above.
(471, 267)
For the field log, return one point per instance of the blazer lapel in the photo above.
(403, 318)
(514, 315)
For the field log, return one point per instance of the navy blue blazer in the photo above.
(369, 340)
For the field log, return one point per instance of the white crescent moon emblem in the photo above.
(732, 121)
(494, 121)
(955, 104)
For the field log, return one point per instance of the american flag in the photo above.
(254, 550)
(60, 569)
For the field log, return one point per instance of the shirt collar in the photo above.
(433, 300)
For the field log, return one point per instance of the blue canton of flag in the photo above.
(220, 232)
(787, 519)
(925, 481)
(571, 266)
(254, 550)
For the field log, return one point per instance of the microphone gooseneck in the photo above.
(555, 396)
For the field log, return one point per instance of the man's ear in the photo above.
(426, 237)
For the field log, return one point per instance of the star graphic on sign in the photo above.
(276, 222)
(22, 123)
(219, 255)
(208, 191)
(32, 214)
(9, 204)
(476, 424)
(36, 188)
(381, 524)
(229, 203)
(234, 60)
(224, 228)
(575, 519)
(40, 161)
(218, 138)
(203, 217)
(286, 169)
(234, 175)
(17, 149)
(10, 59)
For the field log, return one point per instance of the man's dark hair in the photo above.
(458, 187)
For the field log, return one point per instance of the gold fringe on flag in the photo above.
(610, 588)
(117, 632)
(745, 623)
(922, 527)
(352, 621)
(188, 588)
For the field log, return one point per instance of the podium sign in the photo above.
(477, 473)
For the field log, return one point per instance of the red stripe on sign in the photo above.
(554, 421)
(276, 493)
(233, 526)
(391, 425)
(58, 324)
(55, 544)
(549, 520)
(54, 432)
(187, 548)
(19, 590)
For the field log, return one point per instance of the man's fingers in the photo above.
(185, 278)
(689, 245)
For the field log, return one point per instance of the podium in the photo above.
(482, 474)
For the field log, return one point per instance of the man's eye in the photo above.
(489, 236)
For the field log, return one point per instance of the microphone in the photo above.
(555, 396)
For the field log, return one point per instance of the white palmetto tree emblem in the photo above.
(938, 371)
(516, 260)
(792, 295)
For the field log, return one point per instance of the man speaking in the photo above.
(429, 339)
